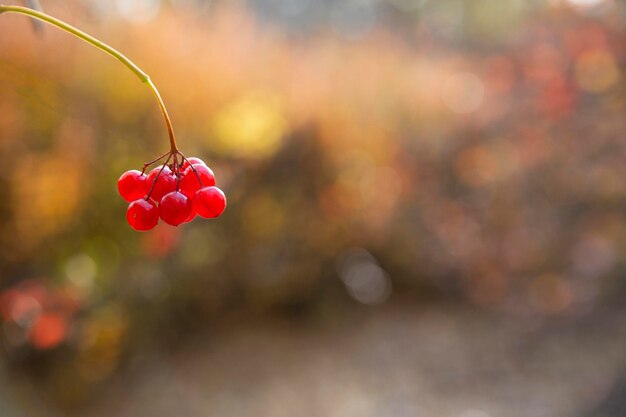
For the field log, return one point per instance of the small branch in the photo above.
(103, 47)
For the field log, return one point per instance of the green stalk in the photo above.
(103, 47)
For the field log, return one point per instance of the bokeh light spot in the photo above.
(24, 309)
(596, 71)
(363, 277)
(252, 126)
(48, 331)
(81, 270)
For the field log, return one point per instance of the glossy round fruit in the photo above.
(193, 213)
(189, 183)
(131, 185)
(142, 215)
(165, 183)
(175, 208)
(193, 160)
(209, 202)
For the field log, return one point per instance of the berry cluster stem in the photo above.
(145, 78)
(175, 166)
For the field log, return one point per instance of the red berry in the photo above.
(189, 183)
(209, 202)
(165, 183)
(193, 213)
(131, 185)
(142, 215)
(175, 208)
(193, 160)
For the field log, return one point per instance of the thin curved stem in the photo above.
(145, 78)
(156, 178)
(147, 164)
(166, 116)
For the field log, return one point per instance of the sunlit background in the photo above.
(427, 210)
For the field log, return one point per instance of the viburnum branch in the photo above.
(145, 78)
(156, 195)
(154, 161)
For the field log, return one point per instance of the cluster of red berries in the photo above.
(176, 193)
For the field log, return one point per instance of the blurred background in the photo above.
(427, 204)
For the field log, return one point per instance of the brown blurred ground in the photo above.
(401, 360)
